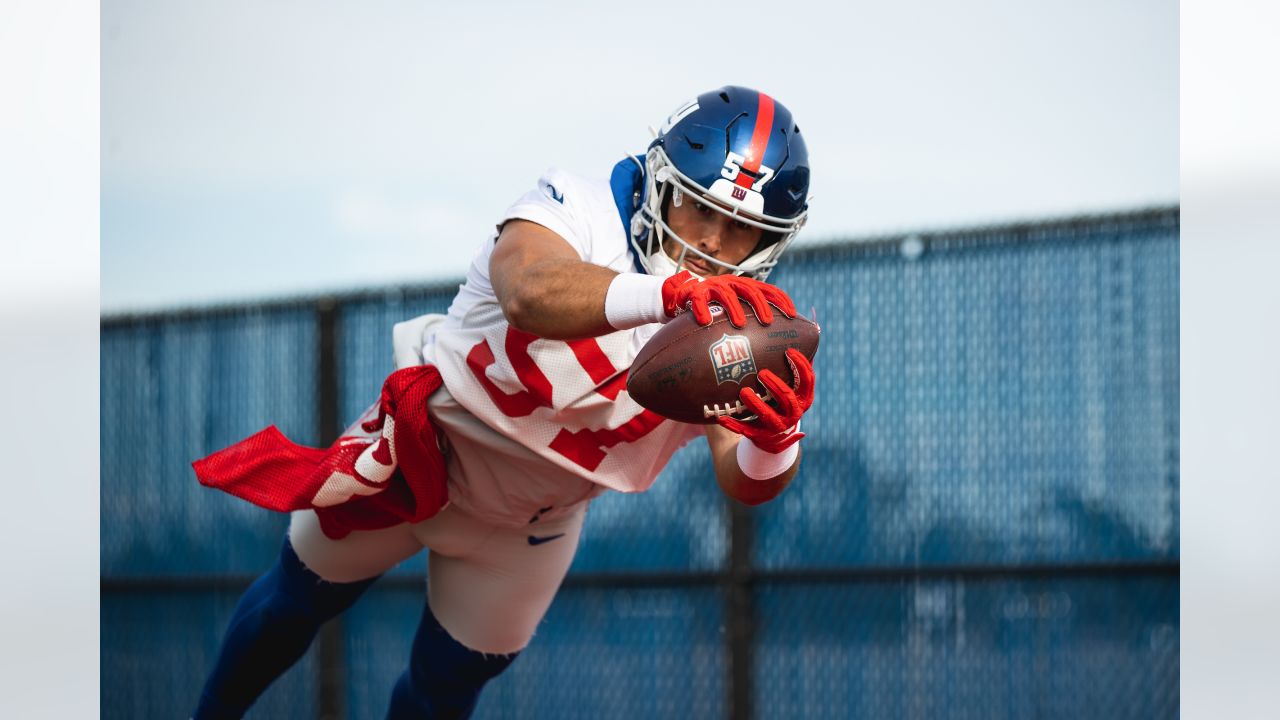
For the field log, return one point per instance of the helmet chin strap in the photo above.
(661, 264)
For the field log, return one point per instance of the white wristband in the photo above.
(634, 300)
(760, 464)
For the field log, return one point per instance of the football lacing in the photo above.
(713, 411)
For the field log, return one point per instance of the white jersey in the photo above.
(564, 402)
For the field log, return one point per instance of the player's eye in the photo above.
(739, 225)
(703, 209)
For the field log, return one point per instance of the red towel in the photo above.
(395, 475)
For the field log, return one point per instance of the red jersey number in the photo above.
(587, 448)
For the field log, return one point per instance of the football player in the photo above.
(533, 354)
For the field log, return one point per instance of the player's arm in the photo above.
(733, 481)
(546, 289)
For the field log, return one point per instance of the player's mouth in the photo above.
(699, 267)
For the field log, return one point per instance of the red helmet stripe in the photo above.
(759, 140)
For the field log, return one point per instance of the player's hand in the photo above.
(774, 430)
(729, 291)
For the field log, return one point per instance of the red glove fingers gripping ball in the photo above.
(772, 430)
(685, 289)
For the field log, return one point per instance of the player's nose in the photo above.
(710, 242)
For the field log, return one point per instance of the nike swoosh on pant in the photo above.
(535, 540)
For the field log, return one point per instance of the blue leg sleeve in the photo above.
(271, 628)
(444, 678)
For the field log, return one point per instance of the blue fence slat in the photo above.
(644, 653)
(983, 649)
(1000, 403)
(174, 391)
(157, 649)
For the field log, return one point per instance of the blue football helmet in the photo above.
(737, 151)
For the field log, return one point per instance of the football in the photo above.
(693, 373)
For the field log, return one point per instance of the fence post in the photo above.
(330, 654)
(739, 610)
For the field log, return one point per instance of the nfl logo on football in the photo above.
(732, 359)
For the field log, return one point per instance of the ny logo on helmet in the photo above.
(731, 357)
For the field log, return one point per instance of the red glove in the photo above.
(684, 288)
(773, 430)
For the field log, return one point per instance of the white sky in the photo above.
(267, 149)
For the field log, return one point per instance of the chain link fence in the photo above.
(985, 525)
